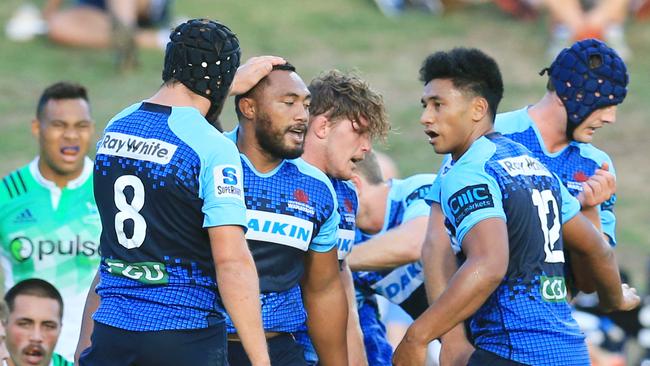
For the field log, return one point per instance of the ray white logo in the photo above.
(134, 147)
(524, 165)
(228, 182)
(279, 229)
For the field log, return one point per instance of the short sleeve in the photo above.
(328, 233)
(419, 205)
(469, 197)
(222, 188)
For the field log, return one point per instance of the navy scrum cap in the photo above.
(204, 56)
(587, 76)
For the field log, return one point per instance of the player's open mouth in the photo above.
(432, 135)
(298, 132)
(70, 153)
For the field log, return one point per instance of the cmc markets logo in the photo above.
(23, 248)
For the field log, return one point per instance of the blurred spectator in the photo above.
(49, 224)
(4, 315)
(391, 8)
(34, 324)
(122, 24)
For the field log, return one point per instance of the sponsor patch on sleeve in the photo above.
(228, 182)
(468, 200)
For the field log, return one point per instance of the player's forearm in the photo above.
(356, 348)
(327, 319)
(394, 248)
(468, 289)
(438, 259)
(588, 248)
(87, 325)
(239, 288)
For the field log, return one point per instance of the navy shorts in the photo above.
(378, 350)
(283, 351)
(481, 357)
(118, 347)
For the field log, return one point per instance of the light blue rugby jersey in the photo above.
(527, 318)
(405, 201)
(573, 164)
(290, 210)
(162, 176)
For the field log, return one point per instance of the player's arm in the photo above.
(87, 324)
(356, 348)
(487, 252)
(238, 285)
(599, 188)
(439, 264)
(594, 265)
(327, 307)
(398, 246)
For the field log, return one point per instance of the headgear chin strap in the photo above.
(203, 55)
(587, 76)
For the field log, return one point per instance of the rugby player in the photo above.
(505, 212)
(169, 190)
(49, 225)
(292, 224)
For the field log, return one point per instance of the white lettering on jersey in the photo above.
(279, 229)
(398, 285)
(134, 147)
(345, 241)
(228, 181)
(524, 165)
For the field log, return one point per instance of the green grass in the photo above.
(349, 35)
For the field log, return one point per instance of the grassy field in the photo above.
(349, 35)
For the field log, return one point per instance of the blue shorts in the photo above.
(283, 351)
(378, 350)
(118, 347)
(302, 338)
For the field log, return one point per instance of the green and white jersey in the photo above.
(58, 360)
(53, 234)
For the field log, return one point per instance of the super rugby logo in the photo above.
(279, 229)
(134, 147)
(228, 182)
(468, 200)
(23, 248)
(524, 165)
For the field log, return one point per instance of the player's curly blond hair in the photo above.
(345, 95)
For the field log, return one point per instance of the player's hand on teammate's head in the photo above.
(254, 70)
(598, 188)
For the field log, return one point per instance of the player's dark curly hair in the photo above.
(470, 70)
(260, 85)
(58, 91)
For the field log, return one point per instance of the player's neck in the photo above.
(178, 95)
(60, 180)
(262, 160)
(372, 220)
(315, 153)
(550, 119)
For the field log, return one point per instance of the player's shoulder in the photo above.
(513, 121)
(309, 171)
(591, 152)
(16, 184)
(204, 139)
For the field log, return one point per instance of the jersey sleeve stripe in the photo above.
(4, 180)
(13, 182)
(22, 181)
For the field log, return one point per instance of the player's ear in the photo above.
(247, 107)
(480, 108)
(36, 128)
(320, 125)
